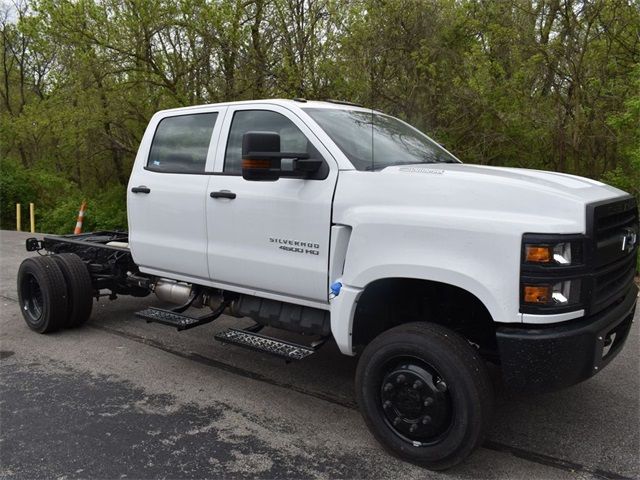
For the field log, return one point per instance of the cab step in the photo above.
(173, 319)
(262, 343)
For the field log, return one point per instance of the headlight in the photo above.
(552, 273)
(559, 294)
(553, 254)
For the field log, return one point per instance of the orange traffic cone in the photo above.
(83, 209)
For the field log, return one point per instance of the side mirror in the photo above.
(261, 156)
(262, 159)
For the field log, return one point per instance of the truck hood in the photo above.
(541, 181)
(546, 201)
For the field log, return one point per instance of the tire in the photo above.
(80, 298)
(42, 294)
(425, 394)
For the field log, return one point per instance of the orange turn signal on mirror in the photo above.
(538, 254)
(250, 163)
(537, 293)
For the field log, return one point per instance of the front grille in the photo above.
(614, 267)
(612, 224)
(612, 282)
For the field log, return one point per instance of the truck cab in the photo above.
(334, 220)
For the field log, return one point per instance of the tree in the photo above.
(531, 83)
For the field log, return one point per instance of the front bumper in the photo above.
(549, 358)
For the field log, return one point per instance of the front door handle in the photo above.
(223, 194)
(141, 189)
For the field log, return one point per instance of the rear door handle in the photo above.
(141, 189)
(223, 194)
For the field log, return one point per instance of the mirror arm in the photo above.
(308, 165)
(274, 155)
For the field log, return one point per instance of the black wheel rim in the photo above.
(415, 401)
(32, 301)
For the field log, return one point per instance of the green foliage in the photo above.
(530, 83)
(627, 181)
(15, 187)
(57, 201)
(105, 211)
(62, 218)
(626, 124)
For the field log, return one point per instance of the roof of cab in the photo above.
(299, 103)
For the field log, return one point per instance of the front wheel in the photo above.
(425, 394)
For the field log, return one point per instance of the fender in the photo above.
(343, 306)
(418, 245)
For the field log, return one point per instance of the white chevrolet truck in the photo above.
(345, 224)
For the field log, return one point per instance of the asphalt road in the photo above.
(122, 398)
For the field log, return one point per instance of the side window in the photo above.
(291, 138)
(180, 144)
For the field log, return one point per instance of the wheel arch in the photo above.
(389, 301)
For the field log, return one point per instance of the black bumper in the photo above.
(549, 358)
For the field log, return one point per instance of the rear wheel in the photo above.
(80, 298)
(425, 394)
(42, 294)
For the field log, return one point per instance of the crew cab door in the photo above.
(270, 236)
(167, 193)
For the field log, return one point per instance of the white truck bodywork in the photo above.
(452, 223)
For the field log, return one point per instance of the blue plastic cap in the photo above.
(335, 288)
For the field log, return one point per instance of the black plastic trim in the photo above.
(165, 172)
(537, 274)
(553, 239)
(223, 194)
(596, 262)
(620, 204)
(537, 358)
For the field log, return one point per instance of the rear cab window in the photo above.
(181, 143)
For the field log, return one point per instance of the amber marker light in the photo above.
(251, 163)
(538, 254)
(537, 293)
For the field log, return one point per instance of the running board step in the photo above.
(262, 343)
(173, 319)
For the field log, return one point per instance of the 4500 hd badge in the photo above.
(296, 246)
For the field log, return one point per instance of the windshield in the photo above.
(372, 141)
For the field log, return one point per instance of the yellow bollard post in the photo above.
(18, 217)
(32, 217)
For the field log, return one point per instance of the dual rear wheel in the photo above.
(54, 292)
